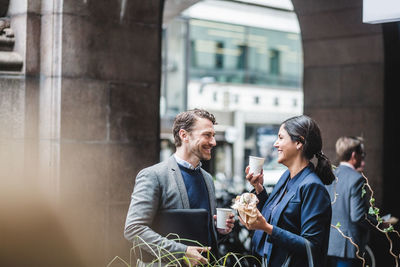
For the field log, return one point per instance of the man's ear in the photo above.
(353, 155)
(183, 135)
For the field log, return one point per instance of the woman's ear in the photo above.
(299, 145)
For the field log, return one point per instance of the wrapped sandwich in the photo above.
(246, 205)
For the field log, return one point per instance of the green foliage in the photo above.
(373, 211)
(363, 192)
(178, 259)
(338, 225)
(389, 229)
(372, 201)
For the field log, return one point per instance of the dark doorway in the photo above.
(391, 144)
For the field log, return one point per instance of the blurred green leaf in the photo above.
(372, 201)
(371, 211)
(389, 229)
(363, 192)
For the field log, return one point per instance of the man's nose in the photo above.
(213, 141)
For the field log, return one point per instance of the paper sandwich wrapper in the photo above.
(246, 205)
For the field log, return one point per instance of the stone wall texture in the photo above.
(344, 77)
(82, 116)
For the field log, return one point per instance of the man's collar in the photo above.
(186, 164)
(347, 164)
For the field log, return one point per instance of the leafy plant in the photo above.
(373, 211)
(163, 257)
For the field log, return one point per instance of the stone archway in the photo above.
(89, 91)
(81, 117)
(350, 81)
(344, 77)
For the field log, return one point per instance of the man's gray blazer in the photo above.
(349, 210)
(161, 187)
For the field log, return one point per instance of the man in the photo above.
(350, 207)
(178, 183)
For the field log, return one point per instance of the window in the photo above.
(274, 62)
(236, 99)
(193, 59)
(241, 63)
(219, 55)
(244, 55)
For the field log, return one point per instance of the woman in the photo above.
(292, 226)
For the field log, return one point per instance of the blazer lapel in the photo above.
(211, 196)
(277, 187)
(175, 173)
(209, 189)
(282, 204)
(288, 196)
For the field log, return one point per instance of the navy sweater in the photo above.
(197, 193)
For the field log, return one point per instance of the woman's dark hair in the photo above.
(306, 131)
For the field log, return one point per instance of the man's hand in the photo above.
(229, 224)
(194, 255)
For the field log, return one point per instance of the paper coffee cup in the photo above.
(256, 164)
(222, 216)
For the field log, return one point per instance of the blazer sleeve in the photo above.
(315, 214)
(142, 210)
(262, 198)
(357, 203)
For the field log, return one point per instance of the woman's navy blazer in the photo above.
(303, 213)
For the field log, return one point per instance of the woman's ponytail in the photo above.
(324, 168)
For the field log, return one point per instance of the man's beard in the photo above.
(201, 155)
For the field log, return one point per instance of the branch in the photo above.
(396, 258)
(334, 190)
(351, 241)
(379, 221)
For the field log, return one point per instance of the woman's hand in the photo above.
(256, 181)
(259, 224)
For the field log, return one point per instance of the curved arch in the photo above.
(344, 76)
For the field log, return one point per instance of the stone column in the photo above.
(99, 113)
(343, 77)
(13, 104)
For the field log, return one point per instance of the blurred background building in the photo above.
(242, 61)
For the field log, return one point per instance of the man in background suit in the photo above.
(350, 207)
(178, 183)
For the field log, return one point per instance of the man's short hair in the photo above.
(346, 145)
(185, 120)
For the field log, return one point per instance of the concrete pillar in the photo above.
(82, 115)
(343, 77)
(238, 151)
(108, 113)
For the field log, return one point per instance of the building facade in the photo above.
(244, 64)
